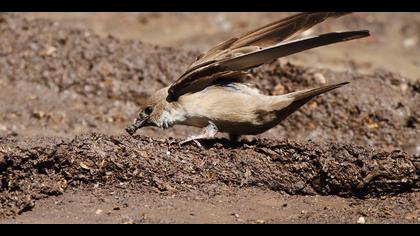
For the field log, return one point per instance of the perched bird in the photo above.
(215, 92)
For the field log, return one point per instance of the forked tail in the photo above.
(310, 93)
(300, 98)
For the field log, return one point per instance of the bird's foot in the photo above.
(191, 139)
(208, 132)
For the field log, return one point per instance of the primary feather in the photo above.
(257, 47)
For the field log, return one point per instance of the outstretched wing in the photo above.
(267, 35)
(256, 48)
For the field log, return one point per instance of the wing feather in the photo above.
(255, 48)
(269, 34)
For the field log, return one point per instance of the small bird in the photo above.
(216, 93)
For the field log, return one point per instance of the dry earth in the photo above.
(67, 92)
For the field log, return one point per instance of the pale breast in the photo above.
(235, 108)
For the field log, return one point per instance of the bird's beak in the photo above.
(138, 123)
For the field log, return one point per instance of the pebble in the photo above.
(410, 42)
(98, 212)
(260, 221)
(48, 50)
(361, 220)
(128, 221)
(404, 87)
(3, 128)
(319, 78)
(84, 166)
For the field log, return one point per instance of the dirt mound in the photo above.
(60, 82)
(34, 168)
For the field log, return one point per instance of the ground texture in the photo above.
(352, 155)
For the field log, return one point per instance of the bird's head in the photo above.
(150, 114)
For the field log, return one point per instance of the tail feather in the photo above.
(310, 93)
(300, 98)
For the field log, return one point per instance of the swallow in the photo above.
(216, 92)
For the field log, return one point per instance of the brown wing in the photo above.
(215, 78)
(267, 35)
(256, 48)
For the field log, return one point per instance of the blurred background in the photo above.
(394, 44)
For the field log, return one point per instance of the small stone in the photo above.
(128, 221)
(98, 212)
(59, 202)
(260, 221)
(3, 128)
(84, 166)
(110, 120)
(39, 114)
(320, 79)
(371, 124)
(410, 42)
(48, 51)
(361, 220)
(404, 87)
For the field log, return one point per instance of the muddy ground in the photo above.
(68, 91)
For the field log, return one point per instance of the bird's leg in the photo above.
(208, 132)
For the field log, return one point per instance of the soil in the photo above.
(67, 93)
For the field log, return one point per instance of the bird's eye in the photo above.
(148, 110)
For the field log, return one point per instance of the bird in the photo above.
(216, 93)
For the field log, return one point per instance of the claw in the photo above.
(208, 132)
(191, 140)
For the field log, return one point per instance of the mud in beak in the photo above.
(138, 123)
